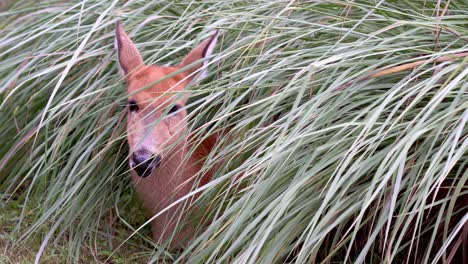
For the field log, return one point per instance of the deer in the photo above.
(156, 119)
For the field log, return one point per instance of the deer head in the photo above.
(156, 111)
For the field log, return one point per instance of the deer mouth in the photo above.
(144, 163)
(141, 169)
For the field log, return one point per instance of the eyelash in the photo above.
(132, 106)
(174, 109)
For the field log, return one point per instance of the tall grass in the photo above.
(329, 157)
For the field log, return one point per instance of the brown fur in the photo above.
(163, 135)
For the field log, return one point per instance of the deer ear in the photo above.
(127, 53)
(197, 58)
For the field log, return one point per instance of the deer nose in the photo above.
(144, 162)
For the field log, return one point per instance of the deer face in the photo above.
(157, 118)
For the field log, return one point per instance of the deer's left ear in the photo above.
(127, 53)
(197, 58)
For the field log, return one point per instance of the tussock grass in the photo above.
(327, 160)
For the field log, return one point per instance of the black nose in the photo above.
(144, 162)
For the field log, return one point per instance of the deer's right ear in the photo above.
(128, 56)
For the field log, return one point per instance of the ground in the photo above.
(11, 252)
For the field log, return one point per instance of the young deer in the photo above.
(157, 119)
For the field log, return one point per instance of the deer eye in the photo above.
(132, 106)
(174, 109)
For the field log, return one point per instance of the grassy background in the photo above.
(334, 166)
